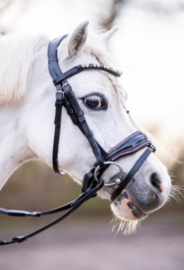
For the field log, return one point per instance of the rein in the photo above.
(92, 181)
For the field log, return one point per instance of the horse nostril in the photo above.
(155, 181)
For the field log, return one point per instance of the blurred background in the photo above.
(149, 49)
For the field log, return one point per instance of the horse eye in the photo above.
(95, 102)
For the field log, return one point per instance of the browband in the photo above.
(77, 69)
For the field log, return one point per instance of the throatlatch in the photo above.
(92, 181)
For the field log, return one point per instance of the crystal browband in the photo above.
(77, 69)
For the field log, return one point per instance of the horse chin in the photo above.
(125, 208)
(127, 214)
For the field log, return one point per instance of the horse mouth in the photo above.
(132, 206)
(125, 200)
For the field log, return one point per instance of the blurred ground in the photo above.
(158, 244)
(84, 240)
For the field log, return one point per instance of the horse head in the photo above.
(102, 99)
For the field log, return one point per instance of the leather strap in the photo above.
(53, 66)
(77, 69)
(71, 207)
(128, 146)
(70, 102)
(82, 124)
(57, 123)
(132, 172)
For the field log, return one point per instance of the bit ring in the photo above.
(117, 181)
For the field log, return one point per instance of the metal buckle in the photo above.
(65, 84)
(152, 147)
(60, 92)
(60, 95)
(117, 181)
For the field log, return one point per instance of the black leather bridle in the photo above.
(92, 181)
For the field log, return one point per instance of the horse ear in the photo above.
(78, 38)
(108, 35)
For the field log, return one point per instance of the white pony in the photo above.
(27, 97)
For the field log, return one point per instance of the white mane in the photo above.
(17, 57)
(16, 60)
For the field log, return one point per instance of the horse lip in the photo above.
(130, 203)
(125, 195)
(135, 210)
